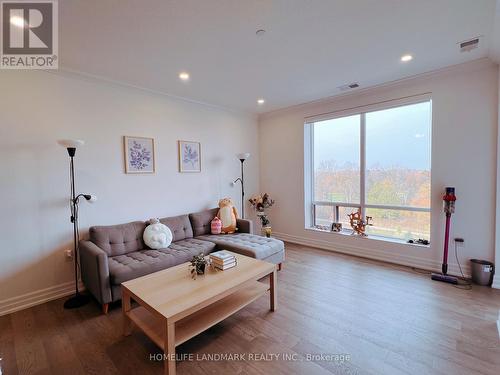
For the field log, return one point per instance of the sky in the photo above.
(394, 137)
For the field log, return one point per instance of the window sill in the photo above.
(349, 233)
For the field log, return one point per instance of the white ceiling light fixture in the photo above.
(17, 21)
(260, 101)
(184, 76)
(260, 32)
(406, 58)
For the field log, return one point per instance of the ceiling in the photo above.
(310, 48)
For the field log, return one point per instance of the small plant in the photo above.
(198, 264)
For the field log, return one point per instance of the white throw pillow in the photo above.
(157, 235)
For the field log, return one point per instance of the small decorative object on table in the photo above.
(222, 260)
(336, 227)
(198, 264)
(358, 224)
(260, 203)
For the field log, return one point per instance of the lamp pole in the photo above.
(78, 299)
(74, 219)
(242, 191)
(242, 157)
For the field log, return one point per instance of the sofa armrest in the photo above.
(244, 226)
(95, 271)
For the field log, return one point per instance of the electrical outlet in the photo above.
(459, 241)
(68, 254)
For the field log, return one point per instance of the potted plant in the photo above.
(198, 264)
(260, 203)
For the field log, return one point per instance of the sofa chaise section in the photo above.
(269, 249)
(242, 242)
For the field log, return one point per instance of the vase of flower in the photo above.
(260, 204)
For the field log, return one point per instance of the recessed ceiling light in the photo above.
(406, 58)
(184, 76)
(260, 101)
(260, 32)
(17, 21)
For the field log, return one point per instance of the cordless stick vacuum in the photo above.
(449, 208)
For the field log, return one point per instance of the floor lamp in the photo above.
(244, 156)
(71, 145)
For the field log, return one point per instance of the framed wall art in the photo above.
(139, 154)
(189, 156)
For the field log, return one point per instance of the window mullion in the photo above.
(362, 163)
(313, 179)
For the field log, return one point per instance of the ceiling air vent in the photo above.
(349, 86)
(469, 45)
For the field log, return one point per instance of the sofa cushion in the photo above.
(180, 227)
(189, 247)
(246, 244)
(139, 263)
(200, 221)
(119, 239)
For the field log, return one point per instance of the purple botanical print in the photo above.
(140, 156)
(190, 156)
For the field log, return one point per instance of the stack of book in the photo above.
(223, 260)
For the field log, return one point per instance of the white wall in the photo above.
(465, 107)
(37, 108)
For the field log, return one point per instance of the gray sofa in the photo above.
(114, 254)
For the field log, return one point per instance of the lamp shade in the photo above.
(70, 143)
(243, 156)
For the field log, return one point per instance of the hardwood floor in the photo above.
(388, 319)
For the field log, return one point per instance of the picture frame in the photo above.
(189, 156)
(139, 155)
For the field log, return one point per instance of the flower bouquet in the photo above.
(260, 203)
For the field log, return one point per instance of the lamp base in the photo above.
(78, 300)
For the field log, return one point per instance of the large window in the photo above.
(377, 162)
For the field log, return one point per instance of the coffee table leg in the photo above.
(170, 349)
(126, 306)
(273, 291)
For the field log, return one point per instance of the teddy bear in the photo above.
(228, 215)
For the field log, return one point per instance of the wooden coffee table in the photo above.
(172, 307)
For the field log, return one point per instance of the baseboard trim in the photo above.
(10, 305)
(400, 259)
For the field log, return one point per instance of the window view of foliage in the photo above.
(397, 170)
(337, 182)
(398, 187)
(393, 187)
(399, 224)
